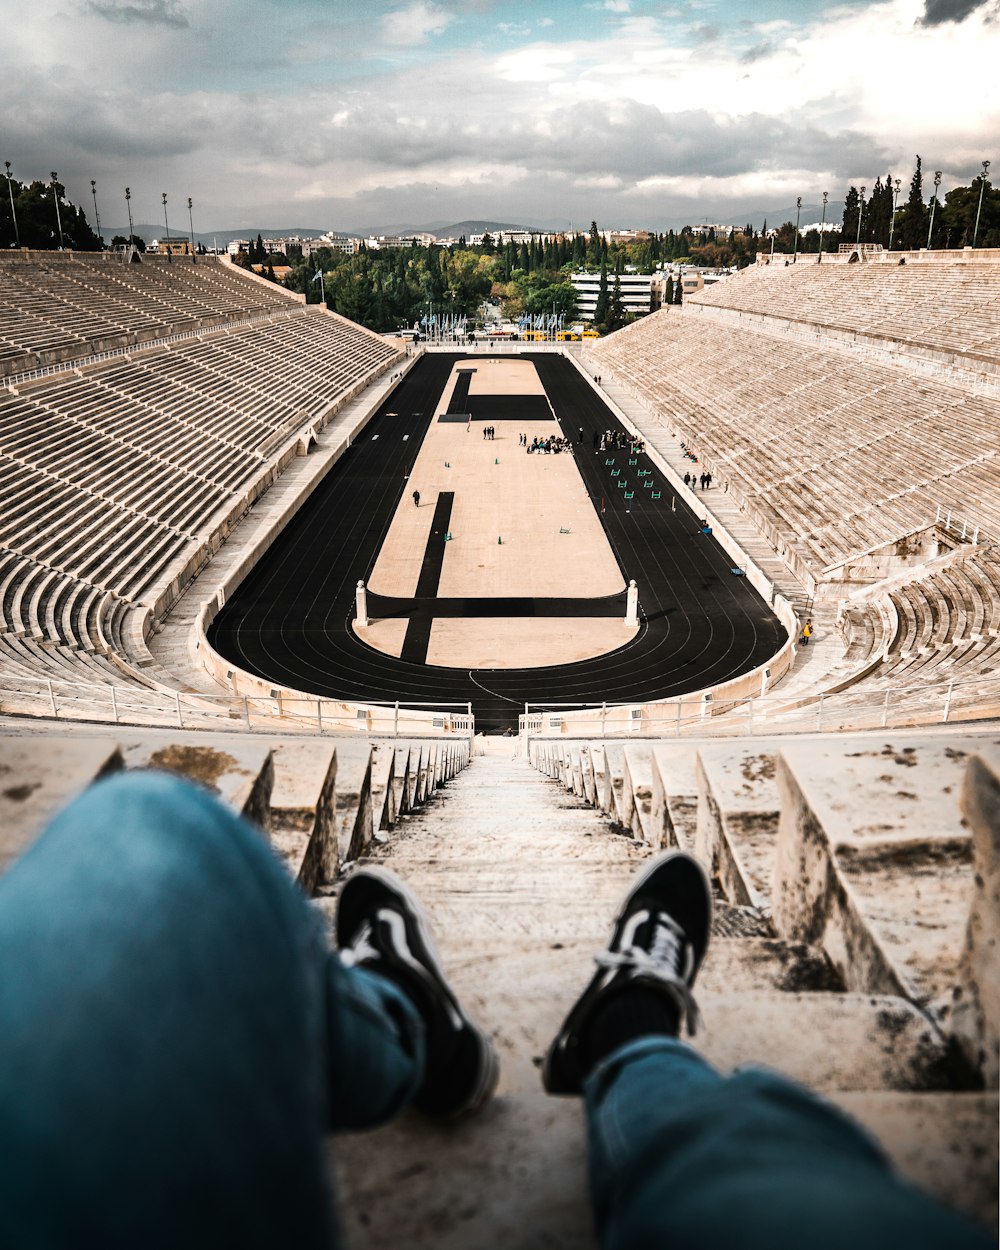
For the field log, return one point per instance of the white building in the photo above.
(636, 291)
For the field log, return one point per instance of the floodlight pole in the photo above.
(982, 188)
(798, 213)
(128, 206)
(191, 226)
(895, 202)
(166, 224)
(822, 228)
(13, 211)
(861, 207)
(55, 196)
(97, 215)
(937, 183)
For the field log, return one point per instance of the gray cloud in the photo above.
(937, 12)
(757, 52)
(146, 12)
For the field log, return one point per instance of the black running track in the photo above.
(290, 620)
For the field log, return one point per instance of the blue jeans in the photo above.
(176, 1038)
(683, 1157)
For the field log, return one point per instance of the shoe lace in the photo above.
(361, 948)
(661, 960)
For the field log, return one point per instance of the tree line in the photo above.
(922, 220)
(388, 288)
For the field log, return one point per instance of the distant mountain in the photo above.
(213, 238)
(444, 230)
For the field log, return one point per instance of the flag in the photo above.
(318, 275)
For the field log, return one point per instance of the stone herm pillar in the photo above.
(632, 604)
(361, 602)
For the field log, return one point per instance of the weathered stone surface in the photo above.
(639, 781)
(303, 810)
(239, 770)
(977, 1010)
(874, 863)
(39, 777)
(675, 794)
(738, 819)
(944, 1142)
(383, 786)
(354, 800)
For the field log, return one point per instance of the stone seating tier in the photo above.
(62, 308)
(837, 453)
(952, 307)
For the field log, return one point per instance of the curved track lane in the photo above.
(290, 620)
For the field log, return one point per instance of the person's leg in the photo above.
(681, 1157)
(175, 1035)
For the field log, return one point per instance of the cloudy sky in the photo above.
(343, 114)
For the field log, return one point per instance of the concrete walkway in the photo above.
(520, 882)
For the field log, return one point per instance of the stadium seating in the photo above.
(118, 474)
(945, 307)
(834, 451)
(57, 307)
(831, 453)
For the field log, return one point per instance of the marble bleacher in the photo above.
(118, 476)
(950, 306)
(64, 307)
(832, 454)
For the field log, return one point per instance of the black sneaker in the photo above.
(658, 943)
(382, 927)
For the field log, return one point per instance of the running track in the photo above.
(290, 620)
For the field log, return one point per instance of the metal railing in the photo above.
(895, 707)
(134, 705)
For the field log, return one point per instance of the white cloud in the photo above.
(634, 121)
(414, 24)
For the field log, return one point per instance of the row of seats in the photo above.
(951, 306)
(832, 455)
(67, 307)
(112, 473)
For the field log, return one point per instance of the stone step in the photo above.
(35, 781)
(353, 820)
(516, 1174)
(303, 810)
(382, 786)
(738, 819)
(881, 876)
(675, 793)
(239, 770)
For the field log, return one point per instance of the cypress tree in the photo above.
(601, 310)
(913, 226)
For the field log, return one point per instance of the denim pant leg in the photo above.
(175, 1035)
(683, 1158)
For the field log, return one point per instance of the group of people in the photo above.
(691, 480)
(489, 432)
(551, 446)
(621, 440)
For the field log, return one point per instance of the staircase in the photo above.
(521, 879)
(845, 878)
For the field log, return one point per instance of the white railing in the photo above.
(895, 707)
(134, 705)
(967, 530)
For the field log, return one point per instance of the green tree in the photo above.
(601, 308)
(913, 219)
(616, 308)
